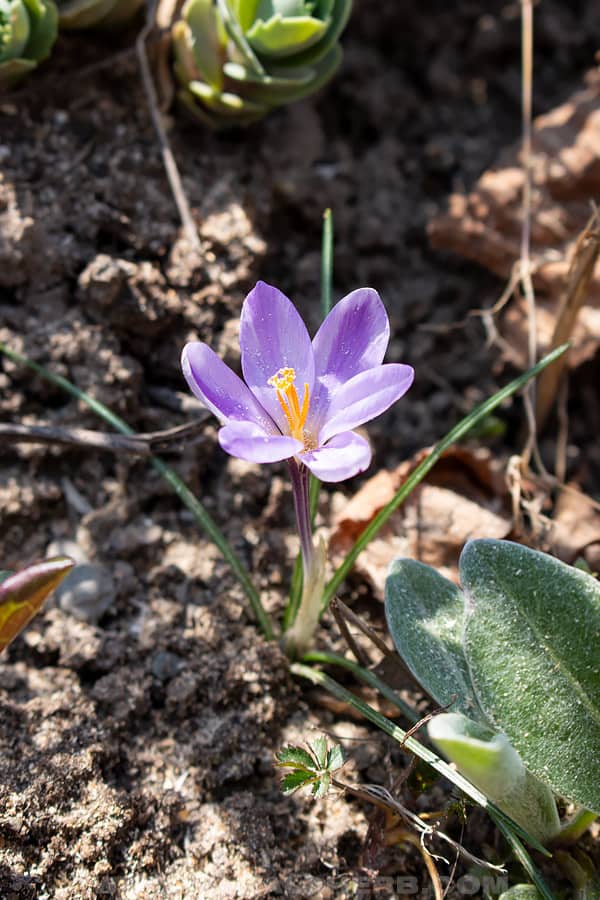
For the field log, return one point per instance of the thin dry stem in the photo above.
(525, 255)
(140, 444)
(174, 178)
(581, 272)
(350, 616)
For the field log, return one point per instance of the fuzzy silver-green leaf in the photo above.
(532, 642)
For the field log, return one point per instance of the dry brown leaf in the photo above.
(485, 226)
(576, 528)
(464, 496)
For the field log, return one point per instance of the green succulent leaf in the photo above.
(425, 617)
(338, 19)
(489, 761)
(14, 29)
(237, 59)
(206, 41)
(43, 29)
(279, 37)
(27, 31)
(532, 638)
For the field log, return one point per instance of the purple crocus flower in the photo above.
(301, 399)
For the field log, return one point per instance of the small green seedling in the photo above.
(312, 766)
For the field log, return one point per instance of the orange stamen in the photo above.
(283, 382)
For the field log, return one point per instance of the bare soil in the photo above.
(136, 754)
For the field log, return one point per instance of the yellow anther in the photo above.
(282, 379)
(283, 382)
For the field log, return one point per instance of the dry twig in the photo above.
(169, 163)
(581, 272)
(140, 444)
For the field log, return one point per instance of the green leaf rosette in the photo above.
(27, 32)
(235, 60)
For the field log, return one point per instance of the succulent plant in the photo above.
(27, 32)
(237, 59)
(79, 14)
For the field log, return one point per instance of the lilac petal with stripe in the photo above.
(249, 441)
(344, 456)
(364, 397)
(353, 337)
(220, 389)
(272, 337)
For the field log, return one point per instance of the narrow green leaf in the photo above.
(532, 640)
(202, 517)
(425, 616)
(414, 746)
(455, 434)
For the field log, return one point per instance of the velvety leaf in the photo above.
(532, 639)
(22, 594)
(488, 760)
(424, 613)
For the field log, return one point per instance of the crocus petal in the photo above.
(344, 456)
(252, 443)
(352, 339)
(272, 337)
(365, 396)
(220, 389)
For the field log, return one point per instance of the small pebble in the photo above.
(165, 665)
(86, 593)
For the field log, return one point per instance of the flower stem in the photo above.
(306, 613)
(300, 488)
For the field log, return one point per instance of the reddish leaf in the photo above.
(22, 594)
